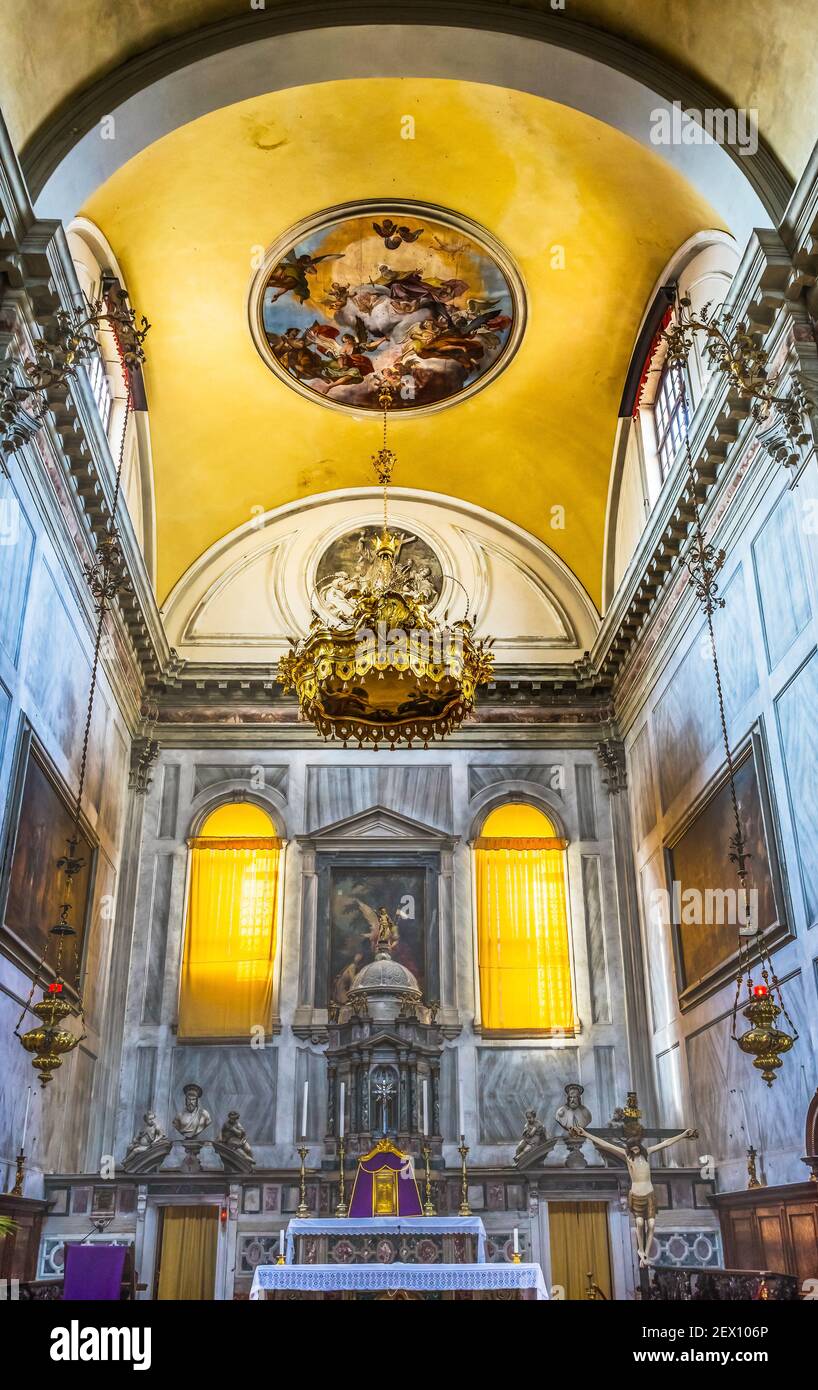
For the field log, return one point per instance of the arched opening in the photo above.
(226, 988)
(523, 952)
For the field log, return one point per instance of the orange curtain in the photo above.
(579, 1246)
(522, 925)
(187, 1268)
(227, 968)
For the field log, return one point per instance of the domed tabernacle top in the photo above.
(385, 984)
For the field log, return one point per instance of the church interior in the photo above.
(409, 651)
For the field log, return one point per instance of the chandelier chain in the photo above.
(704, 565)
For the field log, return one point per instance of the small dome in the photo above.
(385, 983)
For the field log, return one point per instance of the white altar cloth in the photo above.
(415, 1278)
(387, 1226)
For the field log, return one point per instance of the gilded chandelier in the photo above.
(389, 674)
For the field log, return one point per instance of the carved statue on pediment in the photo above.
(234, 1136)
(149, 1146)
(533, 1135)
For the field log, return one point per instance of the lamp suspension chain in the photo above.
(704, 563)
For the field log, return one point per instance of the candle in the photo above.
(304, 1110)
(341, 1112)
(425, 1107)
(516, 1241)
(281, 1240)
(25, 1122)
(460, 1120)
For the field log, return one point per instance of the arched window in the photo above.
(522, 923)
(227, 967)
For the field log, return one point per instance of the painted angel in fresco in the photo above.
(392, 235)
(290, 275)
(410, 288)
(347, 353)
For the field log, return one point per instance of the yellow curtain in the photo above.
(522, 926)
(227, 968)
(187, 1268)
(579, 1246)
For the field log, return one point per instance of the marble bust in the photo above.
(572, 1114)
(191, 1121)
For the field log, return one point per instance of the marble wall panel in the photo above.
(210, 776)
(16, 551)
(232, 1077)
(158, 938)
(98, 938)
(658, 948)
(549, 776)
(586, 801)
(595, 935)
(311, 1067)
(144, 1091)
(605, 1077)
(169, 805)
(781, 578)
(512, 1080)
(728, 1096)
(5, 706)
(669, 1078)
(642, 786)
(685, 720)
(449, 1091)
(59, 688)
(422, 792)
(797, 709)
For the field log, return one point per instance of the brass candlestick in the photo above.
(342, 1209)
(17, 1190)
(302, 1209)
(515, 1258)
(464, 1208)
(752, 1175)
(428, 1205)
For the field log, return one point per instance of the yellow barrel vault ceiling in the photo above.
(185, 216)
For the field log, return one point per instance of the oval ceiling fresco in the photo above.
(401, 293)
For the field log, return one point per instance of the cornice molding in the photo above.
(721, 431)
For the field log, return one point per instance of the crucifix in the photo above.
(384, 1089)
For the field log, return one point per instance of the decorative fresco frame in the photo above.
(749, 758)
(408, 208)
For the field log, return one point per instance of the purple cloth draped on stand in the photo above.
(93, 1272)
(403, 1184)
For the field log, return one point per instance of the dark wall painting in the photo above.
(35, 886)
(355, 895)
(699, 861)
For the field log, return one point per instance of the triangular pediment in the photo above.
(380, 825)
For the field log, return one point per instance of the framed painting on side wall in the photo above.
(705, 907)
(33, 886)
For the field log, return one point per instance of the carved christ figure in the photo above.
(642, 1197)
